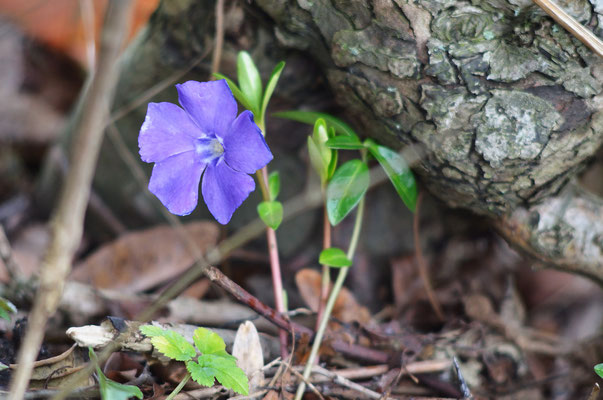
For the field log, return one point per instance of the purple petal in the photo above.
(210, 104)
(175, 181)
(244, 146)
(224, 190)
(167, 130)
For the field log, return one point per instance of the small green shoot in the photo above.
(213, 363)
(599, 369)
(249, 81)
(334, 257)
(111, 390)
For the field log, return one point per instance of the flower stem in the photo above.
(326, 277)
(179, 387)
(275, 264)
(331, 302)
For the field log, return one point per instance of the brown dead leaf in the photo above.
(60, 25)
(346, 307)
(140, 260)
(59, 371)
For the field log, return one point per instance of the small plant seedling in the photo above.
(111, 390)
(213, 362)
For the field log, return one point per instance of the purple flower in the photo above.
(204, 135)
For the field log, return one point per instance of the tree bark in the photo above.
(504, 105)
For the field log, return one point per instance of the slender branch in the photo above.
(423, 270)
(67, 224)
(343, 272)
(219, 40)
(574, 27)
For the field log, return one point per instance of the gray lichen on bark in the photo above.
(506, 104)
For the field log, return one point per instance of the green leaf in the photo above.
(271, 212)
(6, 308)
(3, 366)
(334, 257)
(209, 342)
(398, 172)
(345, 143)
(599, 369)
(170, 343)
(349, 183)
(250, 81)
(226, 372)
(202, 375)
(310, 117)
(236, 92)
(272, 81)
(332, 165)
(274, 184)
(318, 163)
(111, 390)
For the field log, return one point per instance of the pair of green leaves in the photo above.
(250, 92)
(351, 180)
(213, 363)
(111, 390)
(271, 211)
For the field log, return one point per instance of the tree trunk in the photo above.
(501, 104)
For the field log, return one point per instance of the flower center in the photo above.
(208, 149)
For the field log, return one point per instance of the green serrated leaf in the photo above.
(111, 390)
(236, 92)
(345, 143)
(202, 375)
(274, 184)
(208, 342)
(169, 343)
(397, 171)
(349, 183)
(334, 257)
(310, 117)
(270, 85)
(250, 81)
(599, 369)
(226, 372)
(271, 212)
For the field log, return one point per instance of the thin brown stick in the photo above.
(241, 295)
(6, 255)
(341, 381)
(574, 27)
(594, 394)
(67, 224)
(423, 269)
(219, 39)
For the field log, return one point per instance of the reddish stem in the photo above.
(277, 281)
(326, 281)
